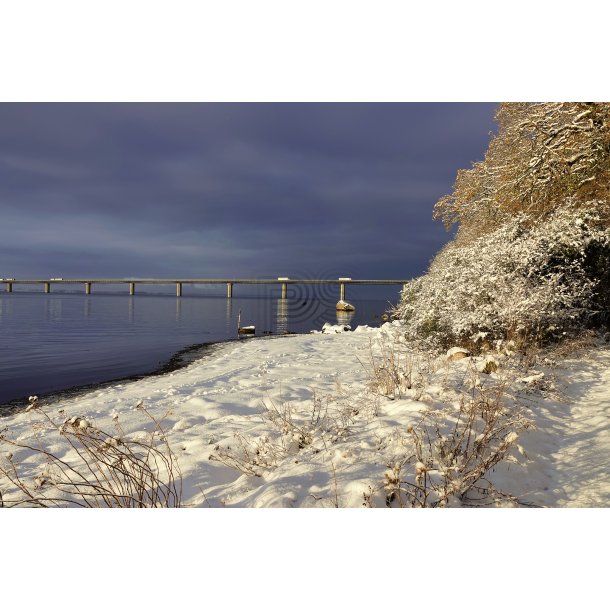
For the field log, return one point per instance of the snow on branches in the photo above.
(532, 280)
(542, 153)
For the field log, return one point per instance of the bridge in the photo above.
(131, 283)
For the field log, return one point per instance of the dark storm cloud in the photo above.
(213, 190)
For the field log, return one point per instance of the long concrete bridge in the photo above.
(281, 281)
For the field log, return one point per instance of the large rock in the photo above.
(457, 353)
(344, 306)
(331, 329)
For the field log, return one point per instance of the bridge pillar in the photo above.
(47, 287)
(284, 290)
(342, 289)
(87, 287)
(229, 290)
(9, 287)
(132, 288)
(178, 289)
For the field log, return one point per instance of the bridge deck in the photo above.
(198, 281)
(283, 282)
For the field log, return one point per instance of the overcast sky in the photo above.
(229, 190)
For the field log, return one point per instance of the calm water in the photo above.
(51, 342)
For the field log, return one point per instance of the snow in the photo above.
(304, 406)
(331, 329)
(569, 452)
(457, 350)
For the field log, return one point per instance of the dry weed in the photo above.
(447, 456)
(395, 372)
(451, 452)
(294, 428)
(104, 470)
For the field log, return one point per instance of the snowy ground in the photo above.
(292, 422)
(570, 449)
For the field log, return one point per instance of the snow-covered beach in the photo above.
(294, 422)
(276, 186)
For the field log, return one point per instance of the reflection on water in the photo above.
(281, 319)
(54, 309)
(54, 341)
(345, 317)
(229, 316)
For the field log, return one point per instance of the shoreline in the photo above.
(179, 360)
(300, 424)
(213, 401)
(56, 383)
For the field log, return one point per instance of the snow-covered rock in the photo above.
(457, 353)
(332, 329)
(344, 306)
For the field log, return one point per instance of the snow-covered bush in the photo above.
(310, 428)
(451, 452)
(533, 280)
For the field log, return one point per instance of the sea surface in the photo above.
(54, 342)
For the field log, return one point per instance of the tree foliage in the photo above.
(542, 154)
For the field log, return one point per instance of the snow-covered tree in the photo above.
(531, 258)
(542, 153)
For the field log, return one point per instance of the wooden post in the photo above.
(87, 287)
(47, 287)
(229, 290)
(284, 290)
(178, 289)
(342, 297)
(132, 288)
(9, 287)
